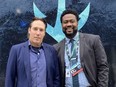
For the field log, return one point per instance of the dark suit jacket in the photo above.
(93, 60)
(18, 72)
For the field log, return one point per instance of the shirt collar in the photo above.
(29, 45)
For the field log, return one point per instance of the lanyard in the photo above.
(75, 48)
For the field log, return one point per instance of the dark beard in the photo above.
(70, 35)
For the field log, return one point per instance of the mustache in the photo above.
(74, 28)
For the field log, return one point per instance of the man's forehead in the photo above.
(69, 17)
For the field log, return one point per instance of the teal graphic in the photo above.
(56, 31)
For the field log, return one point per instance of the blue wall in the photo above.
(15, 16)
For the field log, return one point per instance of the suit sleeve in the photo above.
(102, 64)
(11, 69)
(57, 75)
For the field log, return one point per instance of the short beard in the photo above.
(70, 35)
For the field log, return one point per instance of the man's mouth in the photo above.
(69, 29)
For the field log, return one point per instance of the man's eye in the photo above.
(35, 29)
(72, 21)
(65, 22)
(41, 30)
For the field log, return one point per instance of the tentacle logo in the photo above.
(56, 31)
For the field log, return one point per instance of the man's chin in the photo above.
(69, 35)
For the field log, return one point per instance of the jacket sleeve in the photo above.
(11, 69)
(57, 79)
(102, 64)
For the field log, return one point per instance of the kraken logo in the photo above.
(56, 31)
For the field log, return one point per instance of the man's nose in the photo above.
(38, 32)
(69, 24)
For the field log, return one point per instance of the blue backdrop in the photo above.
(96, 17)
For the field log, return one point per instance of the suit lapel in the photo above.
(62, 53)
(82, 40)
(47, 55)
(27, 62)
